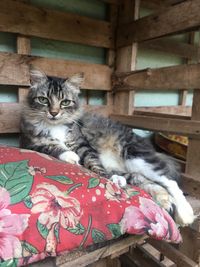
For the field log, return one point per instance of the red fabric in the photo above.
(48, 206)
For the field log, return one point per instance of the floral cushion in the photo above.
(48, 207)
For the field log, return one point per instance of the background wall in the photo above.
(57, 49)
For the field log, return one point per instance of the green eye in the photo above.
(65, 103)
(43, 100)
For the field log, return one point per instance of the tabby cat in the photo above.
(54, 123)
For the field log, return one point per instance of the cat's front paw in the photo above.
(118, 180)
(70, 157)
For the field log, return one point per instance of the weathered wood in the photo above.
(167, 78)
(13, 111)
(21, 18)
(126, 57)
(85, 258)
(158, 4)
(185, 127)
(160, 115)
(190, 185)
(168, 21)
(193, 154)
(173, 254)
(183, 50)
(178, 110)
(23, 48)
(14, 70)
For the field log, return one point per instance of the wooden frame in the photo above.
(118, 78)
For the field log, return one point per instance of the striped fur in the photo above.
(53, 123)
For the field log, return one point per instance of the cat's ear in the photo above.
(37, 77)
(76, 80)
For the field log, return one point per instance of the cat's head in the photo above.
(54, 100)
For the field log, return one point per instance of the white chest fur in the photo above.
(59, 132)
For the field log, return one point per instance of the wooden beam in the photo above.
(126, 57)
(167, 78)
(13, 112)
(193, 154)
(158, 4)
(179, 126)
(183, 50)
(14, 70)
(168, 21)
(172, 253)
(84, 258)
(178, 110)
(18, 17)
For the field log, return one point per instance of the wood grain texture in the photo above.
(173, 254)
(167, 78)
(171, 20)
(84, 258)
(193, 153)
(169, 125)
(178, 110)
(126, 57)
(14, 70)
(183, 50)
(21, 18)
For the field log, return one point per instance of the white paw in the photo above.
(184, 214)
(70, 157)
(118, 180)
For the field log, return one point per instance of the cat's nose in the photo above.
(53, 113)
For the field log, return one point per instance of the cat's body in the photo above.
(53, 123)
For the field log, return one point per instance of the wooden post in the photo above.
(126, 57)
(24, 48)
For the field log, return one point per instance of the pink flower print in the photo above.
(11, 225)
(149, 218)
(55, 206)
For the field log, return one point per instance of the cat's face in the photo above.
(54, 100)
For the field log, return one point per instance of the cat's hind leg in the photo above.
(184, 214)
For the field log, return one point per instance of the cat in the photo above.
(54, 123)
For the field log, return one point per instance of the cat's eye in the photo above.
(43, 100)
(66, 103)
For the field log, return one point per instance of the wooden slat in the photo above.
(126, 57)
(172, 20)
(21, 18)
(178, 110)
(193, 154)
(174, 77)
(185, 127)
(13, 111)
(173, 254)
(23, 48)
(183, 50)
(14, 70)
(115, 2)
(85, 258)
(160, 115)
(158, 4)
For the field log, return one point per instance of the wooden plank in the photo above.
(126, 57)
(183, 50)
(193, 153)
(21, 18)
(167, 78)
(173, 254)
(13, 111)
(85, 258)
(160, 115)
(115, 2)
(158, 4)
(171, 20)
(178, 110)
(185, 127)
(190, 185)
(23, 48)
(14, 70)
